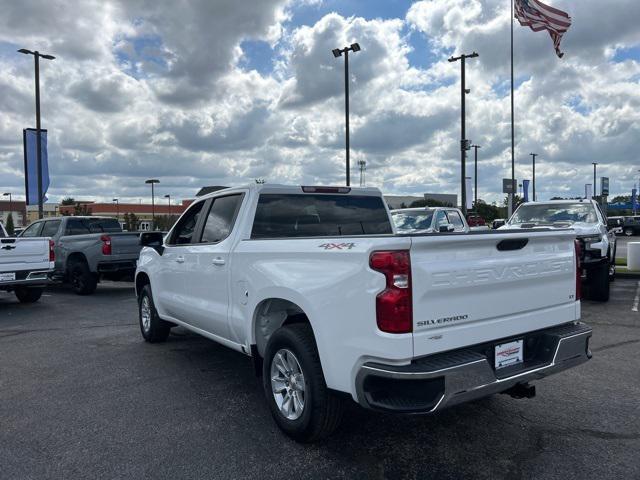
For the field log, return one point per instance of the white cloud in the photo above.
(145, 88)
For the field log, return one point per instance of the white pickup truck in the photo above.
(25, 265)
(331, 303)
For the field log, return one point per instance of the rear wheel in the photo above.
(83, 281)
(28, 295)
(628, 232)
(297, 394)
(152, 327)
(599, 282)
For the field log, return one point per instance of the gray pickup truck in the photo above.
(88, 249)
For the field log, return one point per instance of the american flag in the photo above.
(538, 16)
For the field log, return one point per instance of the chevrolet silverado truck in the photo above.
(88, 249)
(586, 219)
(332, 304)
(25, 265)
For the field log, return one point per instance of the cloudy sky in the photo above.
(222, 92)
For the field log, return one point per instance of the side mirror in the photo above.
(151, 239)
(446, 228)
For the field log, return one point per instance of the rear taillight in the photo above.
(394, 310)
(578, 248)
(106, 244)
(52, 253)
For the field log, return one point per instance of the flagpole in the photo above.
(513, 135)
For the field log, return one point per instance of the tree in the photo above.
(68, 201)
(131, 222)
(9, 226)
(489, 212)
(81, 209)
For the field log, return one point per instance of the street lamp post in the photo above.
(152, 182)
(117, 208)
(36, 56)
(463, 140)
(337, 52)
(168, 197)
(8, 194)
(533, 177)
(475, 178)
(595, 166)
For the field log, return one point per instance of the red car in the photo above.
(475, 221)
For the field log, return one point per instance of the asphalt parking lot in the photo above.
(82, 396)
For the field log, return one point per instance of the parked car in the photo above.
(88, 249)
(631, 226)
(616, 225)
(597, 241)
(498, 222)
(475, 220)
(25, 264)
(429, 220)
(314, 285)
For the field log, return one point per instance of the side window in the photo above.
(441, 219)
(33, 230)
(456, 221)
(183, 232)
(221, 217)
(75, 226)
(50, 228)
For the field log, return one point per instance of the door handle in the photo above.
(180, 259)
(218, 261)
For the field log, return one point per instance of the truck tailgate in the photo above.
(126, 243)
(473, 288)
(24, 253)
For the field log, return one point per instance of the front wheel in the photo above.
(28, 295)
(628, 232)
(600, 283)
(152, 327)
(298, 397)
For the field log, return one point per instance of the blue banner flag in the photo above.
(525, 187)
(30, 142)
(634, 199)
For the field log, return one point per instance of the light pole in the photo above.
(337, 52)
(152, 182)
(168, 197)
(533, 177)
(464, 143)
(10, 203)
(36, 56)
(595, 165)
(8, 194)
(115, 200)
(363, 167)
(475, 178)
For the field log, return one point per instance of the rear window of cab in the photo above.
(319, 215)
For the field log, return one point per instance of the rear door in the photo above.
(478, 287)
(207, 262)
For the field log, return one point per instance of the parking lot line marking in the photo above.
(636, 300)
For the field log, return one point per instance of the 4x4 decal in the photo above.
(337, 246)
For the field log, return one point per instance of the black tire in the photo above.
(28, 295)
(599, 283)
(82, 280)
(156, 330)
(628, 232)
(322, 411)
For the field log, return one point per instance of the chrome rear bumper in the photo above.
(438, 381)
